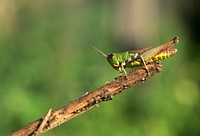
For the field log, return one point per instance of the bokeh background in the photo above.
(46, 62)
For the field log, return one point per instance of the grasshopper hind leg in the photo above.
(144, 64)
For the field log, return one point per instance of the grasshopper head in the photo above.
(113, 61)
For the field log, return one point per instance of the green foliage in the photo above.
(46, 62)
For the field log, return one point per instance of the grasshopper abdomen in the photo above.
(161, 56)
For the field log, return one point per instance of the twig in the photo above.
(43, 123)
(88, 101)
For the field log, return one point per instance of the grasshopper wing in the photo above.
(155, 51)
(139, 51)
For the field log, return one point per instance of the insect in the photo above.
(141, 57)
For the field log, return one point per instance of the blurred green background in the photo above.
(46, 62)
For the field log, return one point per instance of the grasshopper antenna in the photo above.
(99, 51)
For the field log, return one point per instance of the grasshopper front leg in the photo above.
(122, 69)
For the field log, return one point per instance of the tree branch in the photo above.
(105, 93)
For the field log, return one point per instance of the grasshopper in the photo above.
(141, 57)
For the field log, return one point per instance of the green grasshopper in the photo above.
(141, 57)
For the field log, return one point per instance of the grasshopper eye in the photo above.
(110, 55)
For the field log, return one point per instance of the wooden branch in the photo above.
(88, 101)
